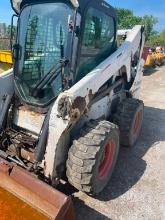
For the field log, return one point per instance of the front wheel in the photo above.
(92, 157)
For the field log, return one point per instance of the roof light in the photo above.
(75, 3)
(16, 5)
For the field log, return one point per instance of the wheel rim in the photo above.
(108, 158)
(137, 123)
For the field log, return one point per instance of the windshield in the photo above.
(43, 33)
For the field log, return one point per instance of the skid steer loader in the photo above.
(68, 103)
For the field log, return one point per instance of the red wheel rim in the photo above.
(107, 162)
(137, 123)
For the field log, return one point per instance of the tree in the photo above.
(157, 39)
(149, 21)
(13, 31)
(126, 20)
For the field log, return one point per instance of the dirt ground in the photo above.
(137, 188)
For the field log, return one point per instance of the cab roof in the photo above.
(17, 5)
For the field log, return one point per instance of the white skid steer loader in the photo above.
(68, 103)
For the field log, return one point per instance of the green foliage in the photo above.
(149, 21)
(5, 38)
(126, 20)
(157, 39)
(13, 31)
(4, 44)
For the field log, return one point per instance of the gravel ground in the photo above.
(137, 188)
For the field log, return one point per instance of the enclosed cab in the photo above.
(80, 33)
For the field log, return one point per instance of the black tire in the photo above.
(128, 113)
(88, 168)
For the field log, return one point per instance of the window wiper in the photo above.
(54, 72)
(49, 77)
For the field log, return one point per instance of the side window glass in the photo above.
(98, 39)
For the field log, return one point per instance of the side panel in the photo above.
(74, 103)
(99, 109)
(135, 89)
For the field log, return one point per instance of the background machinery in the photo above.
(69, 101)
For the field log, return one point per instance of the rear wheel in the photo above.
(129, 117)
(92, 157)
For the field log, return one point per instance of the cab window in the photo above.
(98, 41)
